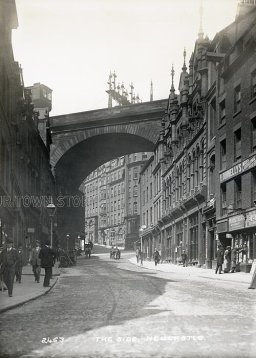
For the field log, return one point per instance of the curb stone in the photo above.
(29, 299)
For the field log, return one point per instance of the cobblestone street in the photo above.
(107, 308)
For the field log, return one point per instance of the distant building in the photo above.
(112, 201)
(134, 164)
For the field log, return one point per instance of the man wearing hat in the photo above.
(35, 261)
(19, 264)
(47, 256)
(220, 259)
(8, 259)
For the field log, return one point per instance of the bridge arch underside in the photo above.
(79, 161)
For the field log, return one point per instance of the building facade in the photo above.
(25, 174)
(203, 164)
(236, 133)
(112, 201)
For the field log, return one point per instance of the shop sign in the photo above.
(230, 173)
(238, 168)
(31, 230)
(222, 227)
(236, 222)
(249, 163)
(250, 219)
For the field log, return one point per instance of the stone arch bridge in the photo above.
(83, 141)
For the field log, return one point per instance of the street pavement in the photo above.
(114, 308)
(193, 271)
(28, 289)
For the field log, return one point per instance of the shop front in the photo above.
(241, 233)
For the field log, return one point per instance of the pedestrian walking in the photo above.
(137, 253)
(8, 259)
(141, 257)
(220, 259)
(184, 258)
(227, 259)
(156, 257)
(91, 244)
(19, 264)
(58, 254)
(2, 284)
(233, 255)
(46, 255)
(35, 262)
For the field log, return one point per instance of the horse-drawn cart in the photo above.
(115, 253)
(87, 250)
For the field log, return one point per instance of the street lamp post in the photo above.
(51, 211)
(67, 241)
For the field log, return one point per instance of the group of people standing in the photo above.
(227, 257)
(12, 262)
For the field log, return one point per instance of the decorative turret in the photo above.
(173, 101)
(109, 88)
(172, 90)
(183, 77)
(184, 91)
(151, 91)
(119, 93)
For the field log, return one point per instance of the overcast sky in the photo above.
(71, 45)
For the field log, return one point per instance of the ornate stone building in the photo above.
(205, 195)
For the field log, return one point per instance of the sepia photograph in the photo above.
(128, 178)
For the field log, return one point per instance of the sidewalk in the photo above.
(27, 290)
(192, 271)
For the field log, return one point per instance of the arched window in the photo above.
(135, 207)
(167, 186)
(189, 174)
(135, 190)
(170, 190)
(182, 179)
(197, 167)
(177, 183)
(201, 162)
(193, 170)
(212, 175)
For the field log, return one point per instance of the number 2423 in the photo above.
(54, 340)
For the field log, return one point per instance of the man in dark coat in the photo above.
(46, 255)
(35, 262)
(184, 258)
(156, 256)
(8, 259)
(19, 264)
(220, 259)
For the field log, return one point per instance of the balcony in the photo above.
(197, 195)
